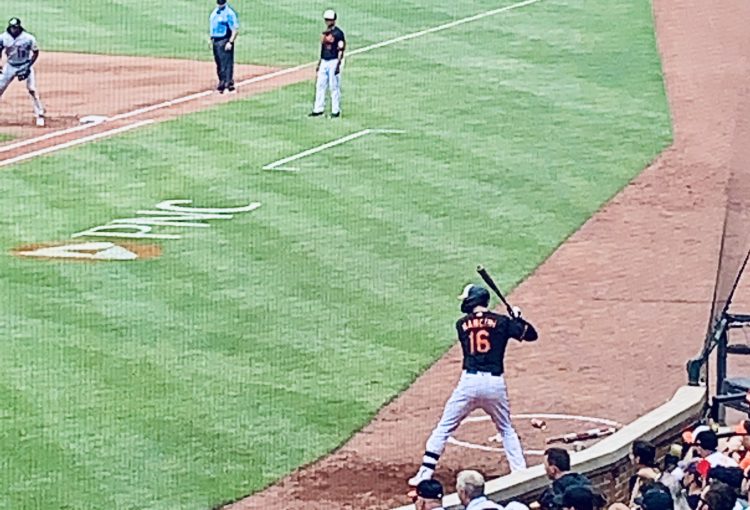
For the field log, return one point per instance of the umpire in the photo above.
(224, 26)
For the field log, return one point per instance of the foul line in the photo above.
(249, 81)
(445, 26)
(276, 165)
(78, 141)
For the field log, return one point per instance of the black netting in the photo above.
(735, 245)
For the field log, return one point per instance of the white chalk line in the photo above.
(445, 26)
(48, 136)
(279, 165)
(145, 109)
(77, 141)
(548, 416)
(249, 81)
(530, 416)
(319, 148)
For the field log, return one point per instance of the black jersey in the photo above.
(484, 337)
(329, 49)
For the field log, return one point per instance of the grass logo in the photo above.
(93, 251)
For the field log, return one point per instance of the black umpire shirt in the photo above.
(330, 51)
(484, 337)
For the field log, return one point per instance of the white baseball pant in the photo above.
(479, 391)
(328, 79)
(9, 74)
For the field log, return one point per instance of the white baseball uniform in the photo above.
(328, 78)
(18, 52)
(484, 336)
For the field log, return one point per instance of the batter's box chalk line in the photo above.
(530, 416)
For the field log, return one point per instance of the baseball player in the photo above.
(21, 51)
(332, 47)
(484, 336)
(224, 25)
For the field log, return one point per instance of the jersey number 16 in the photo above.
(479, 342)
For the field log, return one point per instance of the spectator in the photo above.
(733, 478)
(428, 495)
(643, 456)
(717, 496)
(470, 489)
(581, 497)
(746, 484)
(557, 466)
(692, 484)
(657, 498)
(706, 445)
(738, 447)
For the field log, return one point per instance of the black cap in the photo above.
(657, 500)
(580, 497)
(14, 22)
(707, 440)
(430, 489)
(731, 476)
(221, 2)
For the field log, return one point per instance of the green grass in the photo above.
(5, 137)
(262, 342)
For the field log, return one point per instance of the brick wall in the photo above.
(605, 463)
(613, 479)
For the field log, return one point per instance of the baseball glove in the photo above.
(23, 72)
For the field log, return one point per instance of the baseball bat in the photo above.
(491, 284)
(582, 436)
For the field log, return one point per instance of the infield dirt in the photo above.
(76, 85)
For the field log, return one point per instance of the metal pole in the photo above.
(721, 369)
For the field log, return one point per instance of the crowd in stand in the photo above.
(703, 473)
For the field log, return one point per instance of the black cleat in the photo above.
(230, 87)
(335, 115)
(315, 114)
(221, 88)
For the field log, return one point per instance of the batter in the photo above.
(22, 51)
(484, 337)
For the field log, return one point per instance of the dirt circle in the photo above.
(479, 434)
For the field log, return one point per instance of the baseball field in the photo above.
(230, 353)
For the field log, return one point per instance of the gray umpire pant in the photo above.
(224, 62)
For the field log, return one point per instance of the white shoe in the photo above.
(40, 121)
(422, 475)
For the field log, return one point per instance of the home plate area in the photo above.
(538, 431)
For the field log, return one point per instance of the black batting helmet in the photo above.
(14, 23)
(473, 296)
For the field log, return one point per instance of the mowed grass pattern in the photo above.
(263, 342)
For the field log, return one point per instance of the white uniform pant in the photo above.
(9, 74)
(479, 391)
(328, 79)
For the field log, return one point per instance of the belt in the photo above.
(494, 374)
(220, 38)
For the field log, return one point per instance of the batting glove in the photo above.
(515, 312)
(228, 46)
